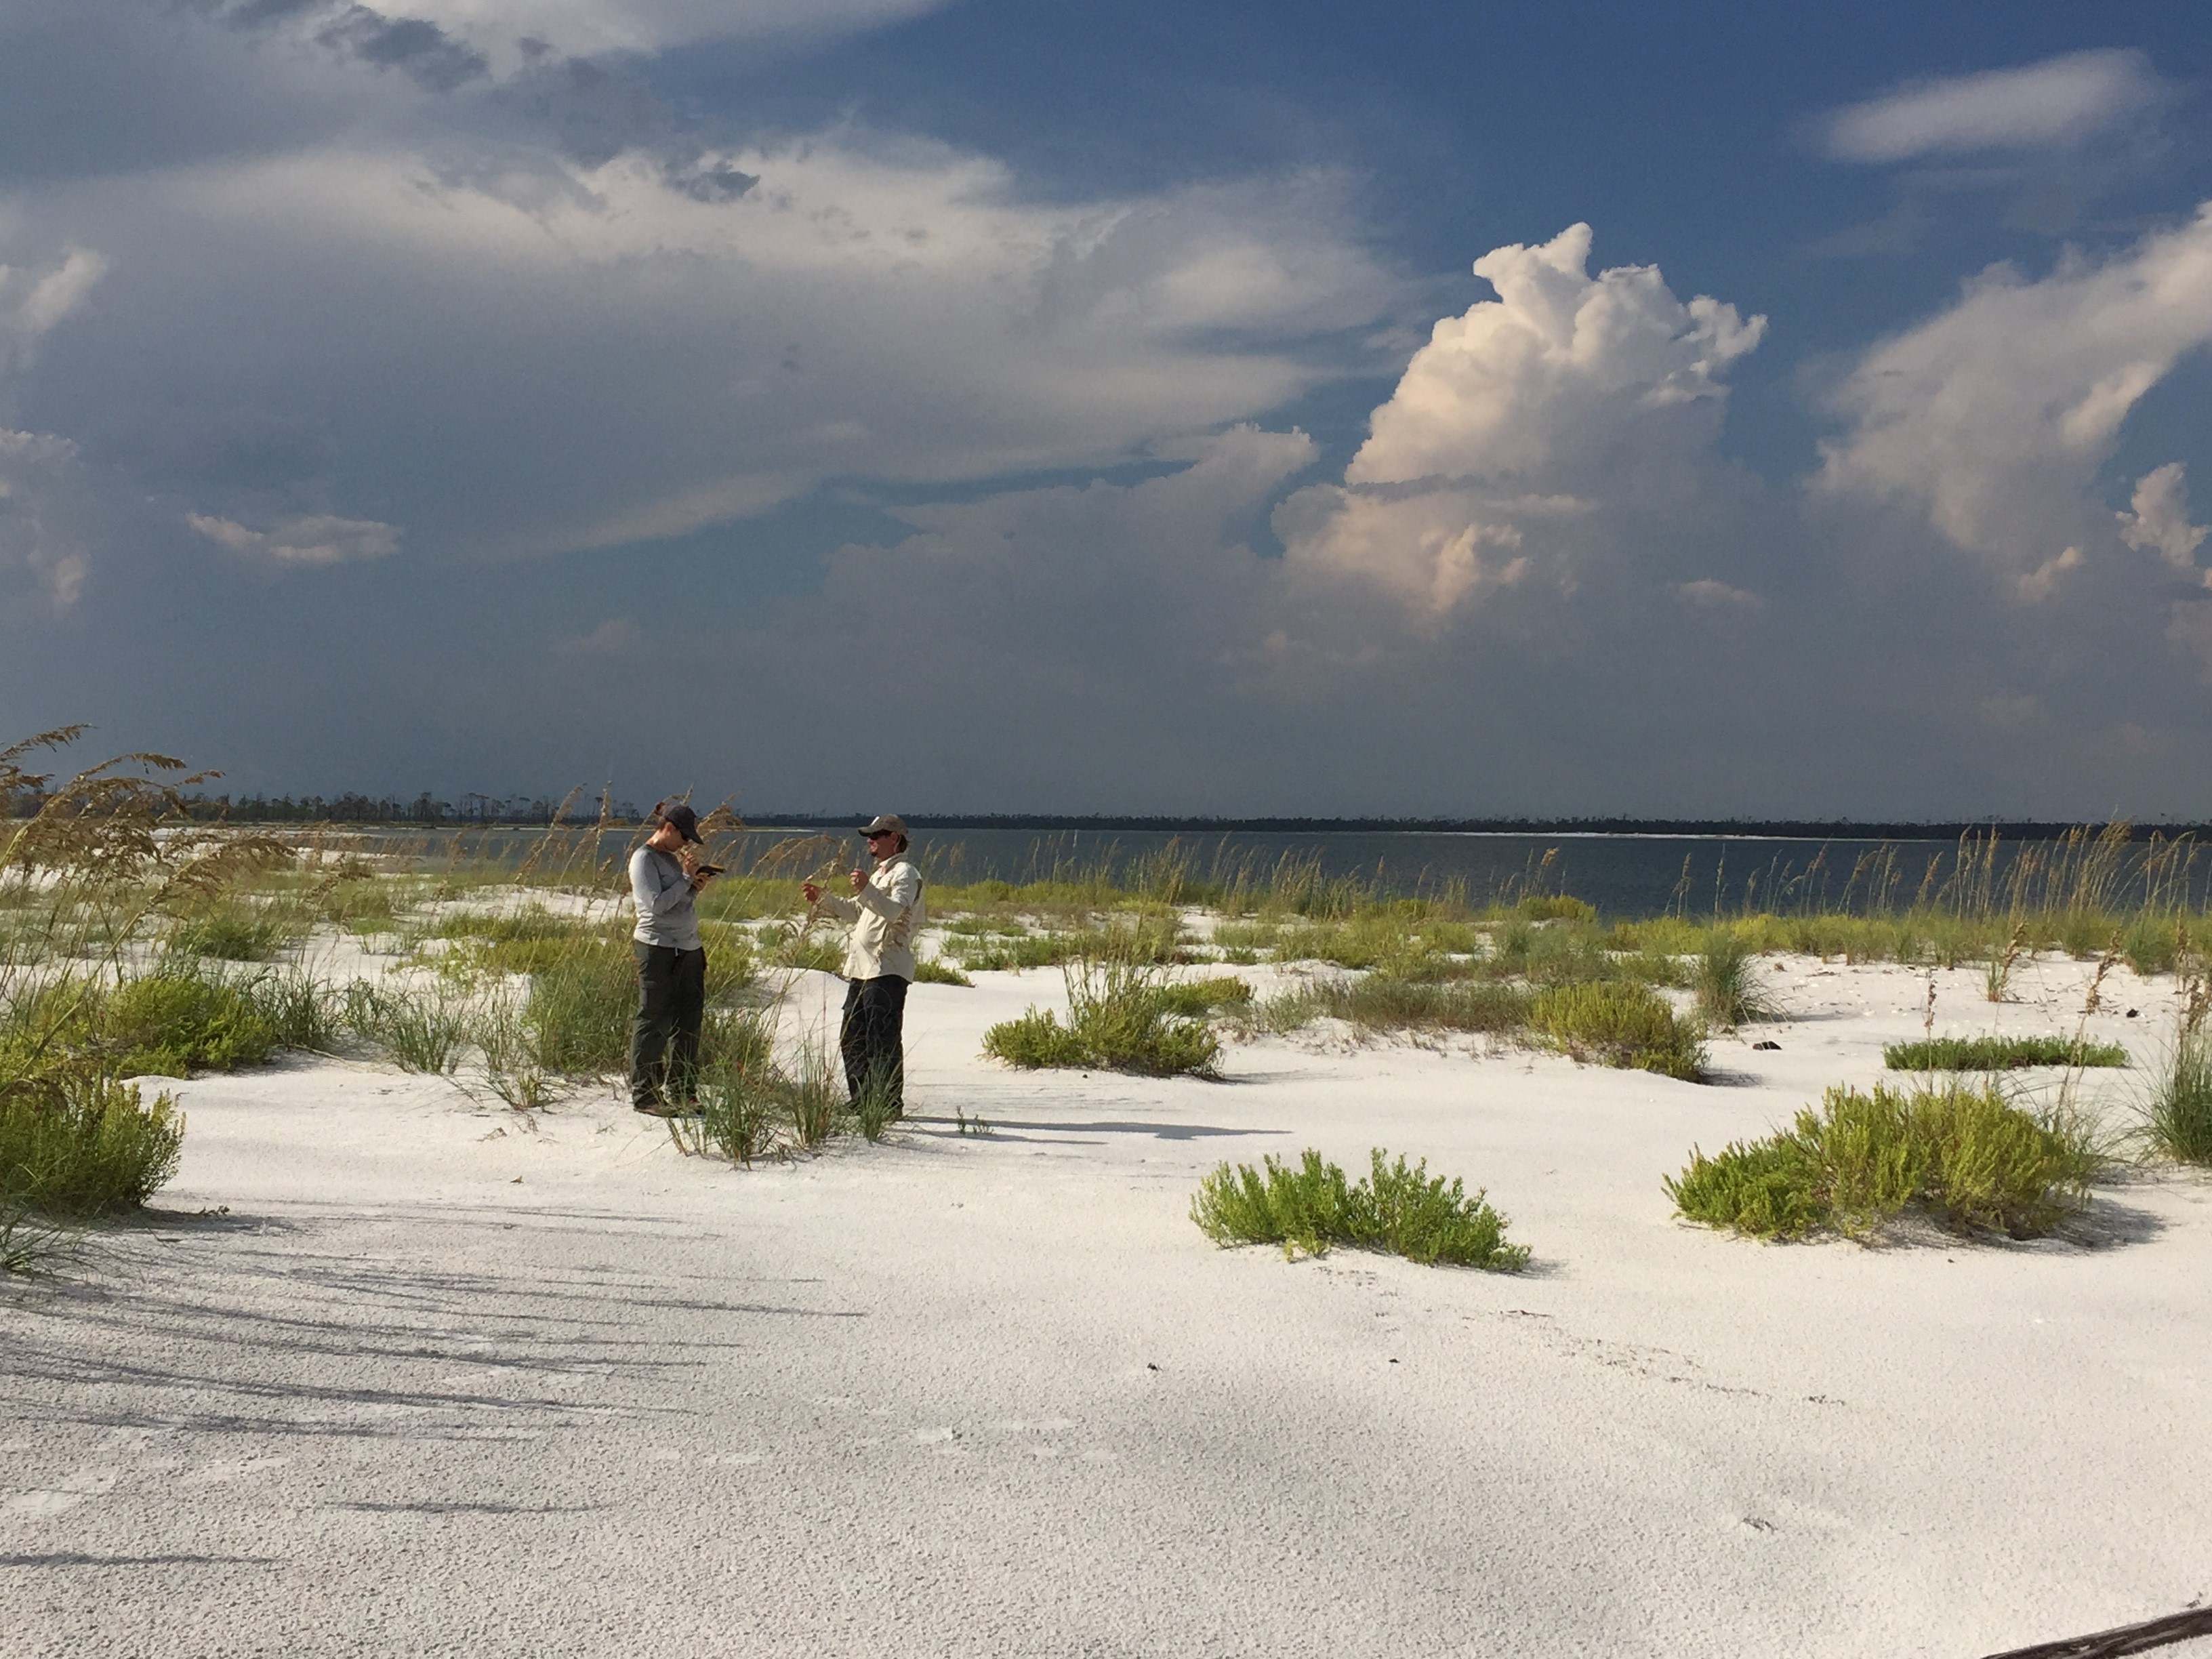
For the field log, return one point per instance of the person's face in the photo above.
(882, 844)
(667, 838)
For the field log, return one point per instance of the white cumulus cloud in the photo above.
(2056, 104)
(1995, 416)
(1561, 367)
(2158, 521)
(1517, 420)
(314, 540)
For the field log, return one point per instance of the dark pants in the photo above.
(874, 1010)
(664, 1037)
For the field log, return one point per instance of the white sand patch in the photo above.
(447, 1380)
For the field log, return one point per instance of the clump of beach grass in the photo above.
(1724, 980)
(933, 970)
(1621, 1023)
(232, 931)
(1395, 1209)
(2178, 1111)
(1963, 1154)
(1999, 1053)
(424, 1027)
(31, 1244)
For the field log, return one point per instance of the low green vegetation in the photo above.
(1310, 1206)
(236, 931)
(1998, 1053)
(1376, 1003)
(1619, 1022)
(1961, 1153)
(74, 1141)
(929, 970)
(1724, 977)
(2177, 1111)
(1122, 1016)
(32, 1243)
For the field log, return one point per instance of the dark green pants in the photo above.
(870, 1039)
(664, 1037)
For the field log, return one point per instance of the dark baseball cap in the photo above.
(885, 823)
(675, 812)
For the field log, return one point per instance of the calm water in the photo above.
(1621, 875)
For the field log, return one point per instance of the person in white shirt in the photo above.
(672, 966)
(885, 911)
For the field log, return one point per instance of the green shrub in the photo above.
(172, 1024)
(1994, 1166)
(1035, 1041)
(74, 1141)
(1622, 1023)
(1121, 1017)
(1763, 1188)
(1963, 1154)
(2177, 1115)
(935, 972)
(1998, 1053)
(1395, 1209)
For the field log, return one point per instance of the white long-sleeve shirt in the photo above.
(886, 914)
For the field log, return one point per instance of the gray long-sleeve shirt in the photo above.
(664, 895)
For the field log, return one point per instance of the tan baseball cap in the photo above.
(885, 823)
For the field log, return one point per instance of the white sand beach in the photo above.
(394, 1372)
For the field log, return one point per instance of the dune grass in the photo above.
(1725, 978)
(1998, 1053)
(1961, 1153)
(1392, 1209)
(31, 1244)
(2177, 1109)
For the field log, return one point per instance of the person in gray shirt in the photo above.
(671, 965)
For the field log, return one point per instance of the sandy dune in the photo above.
(438, 1383)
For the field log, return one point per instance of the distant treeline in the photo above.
(1752, 829)
(430, 811)
(425, 809)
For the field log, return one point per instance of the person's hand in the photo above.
(813, 893)
(699, 878)
(859, 878)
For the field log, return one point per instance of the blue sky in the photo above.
(1001, 407)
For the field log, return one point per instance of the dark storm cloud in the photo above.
(419, 49)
